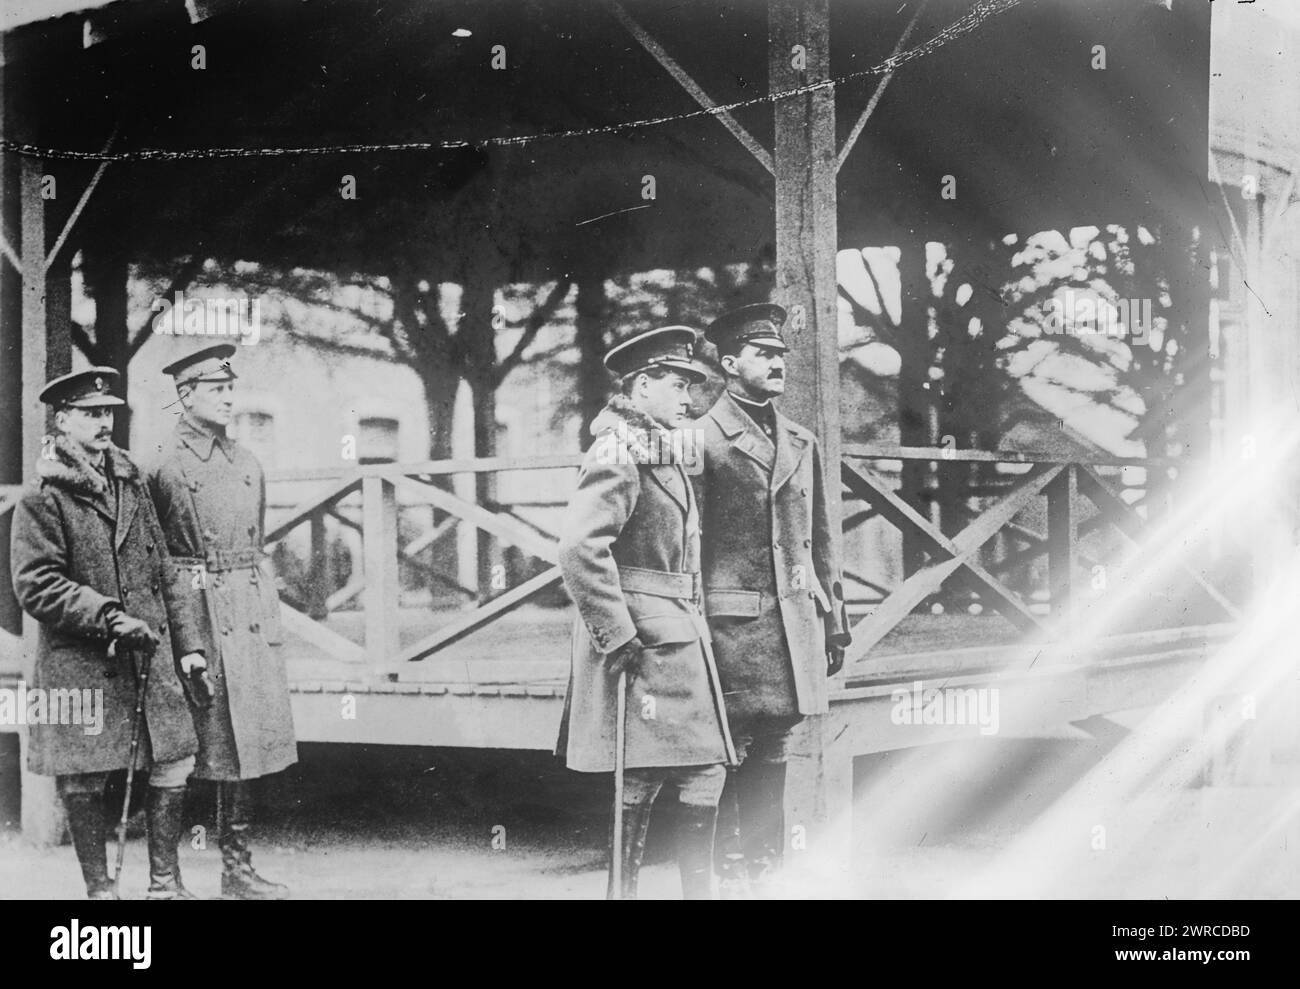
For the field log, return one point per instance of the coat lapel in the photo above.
(743, 432)
(127, 505)
(670, 478)
(790, 449)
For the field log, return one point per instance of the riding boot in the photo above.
(762, 817)
(86, 822)
(239, 881)
(164, 809)
(728, 855)
(695, 827)
(636, 822)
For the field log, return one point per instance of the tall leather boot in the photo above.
(636, 822)
(695, 828)
(762, 817)
(164, 808)
(86, 822)
(239, 881)
(728, 854)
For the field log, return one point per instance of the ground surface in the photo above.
(356, 823)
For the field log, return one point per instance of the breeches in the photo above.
(163, 775)
(699, 786)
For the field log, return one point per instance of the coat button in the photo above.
(812, 596)
(254, 627)
(148, 547)
(225, 631)
(154, 587)
(804, 492)
(807, 542)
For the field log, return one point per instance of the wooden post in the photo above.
(379, 532)
(317, 585)
(1062, 544)
(806, 240)
(46, 304)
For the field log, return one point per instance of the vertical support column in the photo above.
(379, 532)
(318, 582)
(806, 232)
(806, 240)
(46, 301)
(1062, 544)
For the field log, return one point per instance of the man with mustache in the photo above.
(90, 565)
(211, 498)
(772, 588)
(630, 554)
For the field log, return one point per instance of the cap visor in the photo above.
(687, 370)
(775, 343)
(94, 402)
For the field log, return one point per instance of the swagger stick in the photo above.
(137, 722)
(620, 759)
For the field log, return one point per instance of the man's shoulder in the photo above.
(803, 432)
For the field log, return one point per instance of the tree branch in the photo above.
(539, 318)
(182, 281)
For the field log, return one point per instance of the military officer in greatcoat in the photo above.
(210, 493)
(772, 583)
(630, 555)
(89, 563)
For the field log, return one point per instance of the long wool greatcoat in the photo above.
(772, 582)
(632, 526)
(72, 554)
(211, 498)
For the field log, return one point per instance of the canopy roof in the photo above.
(1014, 110)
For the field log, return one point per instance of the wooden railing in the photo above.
(1066, 485)
(367, 500)
(385, 489)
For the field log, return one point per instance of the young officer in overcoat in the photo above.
(211, 498)
(89, 563)
(630, 555)
(772, 583)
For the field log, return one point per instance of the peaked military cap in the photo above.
(86, 389)
(209, 364)
(759, 324)
(668, 346)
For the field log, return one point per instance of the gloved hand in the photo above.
(192, 661)
(834, 660)
(626, 657)
(836, 643)
(132, 632)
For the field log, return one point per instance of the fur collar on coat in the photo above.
(64, 465)
(641, 439)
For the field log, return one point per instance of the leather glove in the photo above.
(834, 660)
(836, 643)
(132, 632)
(626, 657)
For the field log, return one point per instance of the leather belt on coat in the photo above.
(661, 583)
(218, 560)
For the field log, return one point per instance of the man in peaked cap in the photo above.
(772, 588)
(89, 564)
(211, 498)
(630, 555)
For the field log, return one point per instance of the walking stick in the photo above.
(137, 722)
(620, 759)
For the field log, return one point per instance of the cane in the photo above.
(137, 722)
(620, 760)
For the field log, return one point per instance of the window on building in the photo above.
(377, 440)
(256, 430)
